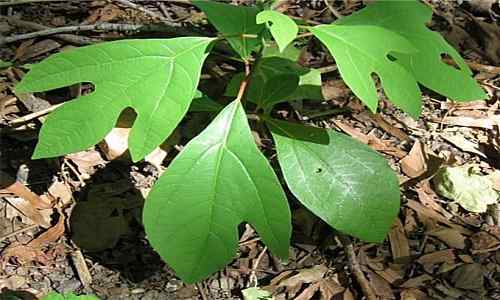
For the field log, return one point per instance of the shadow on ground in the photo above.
(106, 224)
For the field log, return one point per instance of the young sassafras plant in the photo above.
(221, 178)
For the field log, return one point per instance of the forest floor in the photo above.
(88, 238)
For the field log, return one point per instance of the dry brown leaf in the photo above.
(425, 212)
(60, 191)
(86, 161)
(51, 235)
(348, 295)
(415, 163)
(27, 210)
(449, 236)
(413, 294)
(308, 292)
(390, 275)
(394, 131)
(40, 48)
(9, 184)
(381, 287)
(468, 277)
(371, 140)
(486, 123)
(459, 141)
(428, 261)
(417, 281)
(484, 240)
(329, 288)
(399, 241)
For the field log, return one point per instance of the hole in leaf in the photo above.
(449, 60)
(319, 170)
(391, 58)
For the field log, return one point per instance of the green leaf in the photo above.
(342, 181)
(68, 296)
(157, 78)
(203, 103)
(390, 39)
(283, 29)
(409, 19)
(290, 52)
(361, 51)
(219, 180)
(236, 23)
(472, 191)
(277, 89)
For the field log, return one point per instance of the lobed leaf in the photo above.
(236, 23)
(203, 103)
(283, 29)
(409, 19)
(157, 78)
(219, 180)
(342, 181)
(390, 39)
(68, 296)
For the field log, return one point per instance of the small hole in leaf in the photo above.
(391, 58)
(449, 61)
(319, 170)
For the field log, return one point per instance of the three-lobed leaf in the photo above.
(219, 180)
(342, 181)
(236, 23)
(389, 39)
(283, 29)
(157, 78)
(409, 19)
(363, 50)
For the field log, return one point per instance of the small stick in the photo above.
(14, 233)
(70, 38)
(356, 268)
(253, 274)
(201, 289)
(34, 115)
(81, 268)
(334, 11)
(52, 31)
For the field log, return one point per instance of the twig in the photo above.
(81, 268)
(163, 28)
(70, 38)
(19, 2)
(327, 69)
(34, 115)
(92, 27)
(253, 274)
(356, 268)
(201, 289)
(477, 66)
(14, 233)
(334, 11)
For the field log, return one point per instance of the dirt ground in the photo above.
(435, 250)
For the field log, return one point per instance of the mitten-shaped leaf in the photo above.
(157, 78)
(409, 18)
(363, 50)
(387, 36)
(283, 29)
(237, 23)
(219, 180)
(342, 181)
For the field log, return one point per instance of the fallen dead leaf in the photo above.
(415, 163)
(449, 236)
(399, 242)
